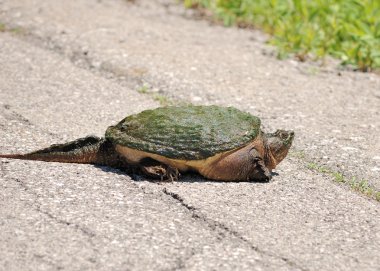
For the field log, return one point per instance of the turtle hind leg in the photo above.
(157, 170)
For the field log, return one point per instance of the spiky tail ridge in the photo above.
(87, 150)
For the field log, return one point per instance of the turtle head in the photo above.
(279, 144)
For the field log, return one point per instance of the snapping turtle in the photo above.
(220, 143)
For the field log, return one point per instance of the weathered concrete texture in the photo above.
(335, 114)
(321, 226)
(78, 217)
(72, 70)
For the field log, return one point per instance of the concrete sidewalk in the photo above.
(72, 68)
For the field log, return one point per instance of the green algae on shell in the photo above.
(186, 132)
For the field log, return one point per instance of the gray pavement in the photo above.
(71, 68)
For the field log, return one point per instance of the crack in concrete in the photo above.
(76, 226)
(81, 59)
(214, 225)
(17, 116)
(221, 230)
(24, 120)
(182, 259)
(44, 259)
(225, 230)
(180, 263)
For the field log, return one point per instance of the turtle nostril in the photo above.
(291, 136)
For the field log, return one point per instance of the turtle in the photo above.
(219, 143)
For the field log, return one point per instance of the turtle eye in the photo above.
(284, 135)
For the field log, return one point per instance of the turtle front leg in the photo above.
(246, 164)
(157, 170)
(259, 171)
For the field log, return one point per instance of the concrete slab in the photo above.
(72, 68)
(80, 217)
(335, 113)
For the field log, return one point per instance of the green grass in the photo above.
(15, 30)
(161, 99)
(2, 27)
(346, 29)
(362, 186)
(144, 89)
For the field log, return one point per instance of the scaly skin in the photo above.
(251, 162)
(87, 150)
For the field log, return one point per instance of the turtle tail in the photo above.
(87, 150)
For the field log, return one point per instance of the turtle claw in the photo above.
(172, 174)
(259, 171)
(162, 172)
(262, 174)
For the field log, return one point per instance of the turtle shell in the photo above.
(186, 132)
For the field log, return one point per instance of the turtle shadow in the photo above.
(186, 178)
(196, 178)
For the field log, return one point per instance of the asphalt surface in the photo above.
(72, 68)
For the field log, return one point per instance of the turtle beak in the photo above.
(290, 138)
